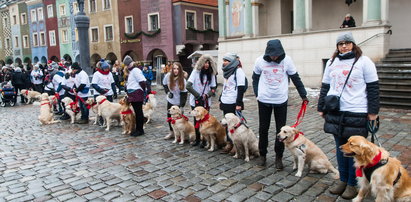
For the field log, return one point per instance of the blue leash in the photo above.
(372, 127)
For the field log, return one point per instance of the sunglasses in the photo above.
(344, 43)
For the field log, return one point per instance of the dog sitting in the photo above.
(210, 128)
(31, 96)
(72, 109)
(46, 115)
(244, 140)
(305, 152)
(108, 110)
(92, 104)
(128, 118)
(377, 171)
(182, 128)
(149, 107)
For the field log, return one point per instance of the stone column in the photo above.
(371, 12)
(222, 19)
(227, 16)
(385, 11)
(248, 27)
(82, 24)
(302, 15)
(255, 17)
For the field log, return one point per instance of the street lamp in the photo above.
(83, 24)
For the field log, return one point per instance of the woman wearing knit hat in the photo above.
(353, 78)
(103, 81)
(136, 86)
(81, 89)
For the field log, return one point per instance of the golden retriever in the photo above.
(92, 104)
(46, 115)
(389, 182)
(210, 128)
(305, 152)
(72, 109)
(31, 95)
(183, 129)
(108, 110)
(128, 118)
(149, 107)
(244, 139)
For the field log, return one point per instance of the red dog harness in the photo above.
(173, 121)
(124, 113)
(298, 135)
(46, 103)
(102, 101)
(90, 106)
(235, 127)
(74, 107)
(206, 117)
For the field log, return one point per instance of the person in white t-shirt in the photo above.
(103, 81)
(270, 82)
(81, 89)
(359, 102)
(231, 99)
(136, 88)
(68, 85)
(36, 77)
(175, 87)
(202, 85)
(57, 81)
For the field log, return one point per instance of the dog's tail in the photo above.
(335, 171)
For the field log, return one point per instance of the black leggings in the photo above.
(280, 116)
(138, 109)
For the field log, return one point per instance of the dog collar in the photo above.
(298, 135)
(206, 117)
(102, 101)
(46, 103)
(27, 92)
(235, 127)
(375, 161)
(92, 105)
(74, 107)
(173, 121)
(127, 112)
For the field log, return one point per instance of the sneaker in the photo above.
(338, 188)
(82, 121)
(349, 193)
(279, 163)
(65, 117)
(261, 161)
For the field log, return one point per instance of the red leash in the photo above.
(301, 114)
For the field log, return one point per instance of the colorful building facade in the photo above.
(38, 31)
(15, 33)
(130, 29)
(64, 29)
(53, 49)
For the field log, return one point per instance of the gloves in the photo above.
(170, 95)
(115, 96)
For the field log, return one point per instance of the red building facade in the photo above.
(130, 29)
(53, 49)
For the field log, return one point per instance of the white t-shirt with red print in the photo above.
(354, 96)
(230, 88)
(200, 87)
(273, 83)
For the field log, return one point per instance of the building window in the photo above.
(129, 24)
(106, 4)
(62, 9)
(26, 41)
(35, 40)
(75, 8)
(40, 14)
(52, 37)
(50, 12)
(94, 34)
(42, 39)
(154, 22)
(16, 42)
(5, 21)
(23, 18)
(33, 15)
(208, 21)
(64, 36)
(108, 32)
(191, 19)
(93, 6)
(14, 20)
(8, 45)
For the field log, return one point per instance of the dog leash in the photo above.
(372, 127)
(242, 118)
(301, 114)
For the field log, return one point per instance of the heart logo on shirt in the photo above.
(275, 71)
(345, 72)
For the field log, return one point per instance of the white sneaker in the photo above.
(169, 136)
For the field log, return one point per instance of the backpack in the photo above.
(245, 83)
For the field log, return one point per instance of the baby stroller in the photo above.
(7, 95)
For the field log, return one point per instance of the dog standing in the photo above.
(244, 140)
(182, 128)
(305, 152)
(210, 128)
(31, 95)
(46, 115)
(108, 110)
(377, 171)
(72, 109)
(149, 107)
(128, 118)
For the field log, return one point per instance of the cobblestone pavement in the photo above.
(64, 162)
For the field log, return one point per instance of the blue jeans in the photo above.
(83, 109)
(345, 164)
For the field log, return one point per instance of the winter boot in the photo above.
(349, 193)
(279, 163)
(338, 188)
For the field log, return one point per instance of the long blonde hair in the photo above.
(179, 77)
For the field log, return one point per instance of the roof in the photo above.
(202, 2)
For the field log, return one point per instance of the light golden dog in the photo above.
(389, 182)
(305, 152)
(108, 110)
(31, 95)
(182, 128)
(128, 118)
(210, 128)
(149, 107)
(72, 109)
(46, 115)
(92, 104)
(244, 140)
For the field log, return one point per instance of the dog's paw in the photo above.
(357, 199)
(236, 156)
(247, 159)
(211, 150)
(107, 129)
(175, 141)
(182, 142)
(298, 174)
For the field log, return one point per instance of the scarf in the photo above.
(103, 72)
(345, 56)
(229, 69)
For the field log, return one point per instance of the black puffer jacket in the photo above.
(346, 124)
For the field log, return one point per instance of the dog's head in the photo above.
(174, 110)
(53, 99)
(100, 98)
(124, 101)
(198, 113)
(90, 101)
(287, 134)
(359, 148)
(230, 120)
(23, 92)
(66, 101)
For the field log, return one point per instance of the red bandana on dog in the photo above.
(206, 117)
(173, 121)
(375, 160)
(102, 101)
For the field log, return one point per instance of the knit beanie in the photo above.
(345, 36)
(230, 57)
(75, 66)
(127, 60)
(104, 64)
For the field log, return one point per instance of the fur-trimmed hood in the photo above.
(203, 59)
